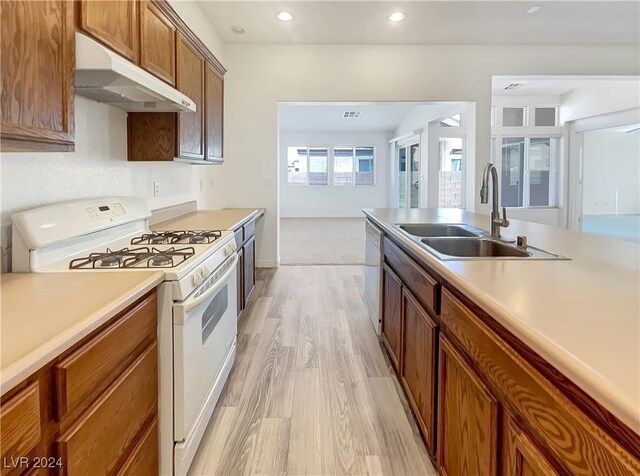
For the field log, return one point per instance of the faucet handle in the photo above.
(505, 222)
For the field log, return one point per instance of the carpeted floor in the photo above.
(307, 241)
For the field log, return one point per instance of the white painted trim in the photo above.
(407, 136)
(268, 263)
(605, 121)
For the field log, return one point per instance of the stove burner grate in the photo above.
(177, 237)
(131, 258)
(108, 259)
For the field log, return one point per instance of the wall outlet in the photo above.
(156, 189)
(269, 182)
(211, 185)
(201, 185)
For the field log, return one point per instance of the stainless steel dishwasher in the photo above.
(373, 274)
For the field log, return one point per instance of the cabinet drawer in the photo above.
(20, 424)
(421, 284)
(574, 440)
(106, 433)
(144, 458)
(239, 233)
(249, 229)
(92, 367)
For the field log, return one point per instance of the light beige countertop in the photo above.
(582, 315)
(225, 219)
(44, 314)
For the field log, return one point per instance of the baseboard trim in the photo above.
(267, 263)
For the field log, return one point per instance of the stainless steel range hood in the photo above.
(107, 77)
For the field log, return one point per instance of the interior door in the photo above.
(402, 177)
(414, 177)
(408, 176)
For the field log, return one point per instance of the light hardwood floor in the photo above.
(311, 392)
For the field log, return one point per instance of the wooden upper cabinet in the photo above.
(419, 364)
(38, 60)
(214, 92)
(520, 455)
(190, 81)
(114, 23)
(467, 418)
(157, 42)
(392, 315)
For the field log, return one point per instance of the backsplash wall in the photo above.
(98, 168)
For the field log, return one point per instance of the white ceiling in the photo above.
(328, 117)
(555, 86)
(428, 22)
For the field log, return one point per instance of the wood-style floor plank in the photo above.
(312, 391)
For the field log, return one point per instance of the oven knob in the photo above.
(205, 271)
(197, 279)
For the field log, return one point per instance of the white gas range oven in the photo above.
(197, 304)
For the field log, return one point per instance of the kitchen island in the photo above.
(574, 324)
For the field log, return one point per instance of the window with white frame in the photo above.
(364, 166)
(353, 166)
(318, 166)
(529, 171)
(307, 165)
(526, 146)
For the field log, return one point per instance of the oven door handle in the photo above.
(213, 289)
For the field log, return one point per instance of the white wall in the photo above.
(261, 75)
(420, 117)
(611, 172)
(330, 201)
(99, 165)
(593, 100)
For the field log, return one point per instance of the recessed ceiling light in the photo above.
(237, 29)
(396, 16)
(533, 9)
(284, 16)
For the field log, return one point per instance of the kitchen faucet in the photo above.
(496, 221)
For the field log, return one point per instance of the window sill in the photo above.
(533, 208)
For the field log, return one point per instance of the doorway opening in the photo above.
(336, 158)
(611, 182)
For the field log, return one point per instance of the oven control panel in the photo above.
(105, 211)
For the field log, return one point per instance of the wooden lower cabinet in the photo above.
(240, 280)
(468, 418)
(419, 365)
(93, 409)
(392, 315)
(115, 421)
(520, 455)
(21, 426)
(144, 458)
(501, 409)
(249, 268)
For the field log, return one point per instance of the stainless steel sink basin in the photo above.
(459, 241)
(474, 248)
(439, 229)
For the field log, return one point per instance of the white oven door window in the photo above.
(205, 328)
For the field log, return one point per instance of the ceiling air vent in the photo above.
(350, 114)
(513, 86)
